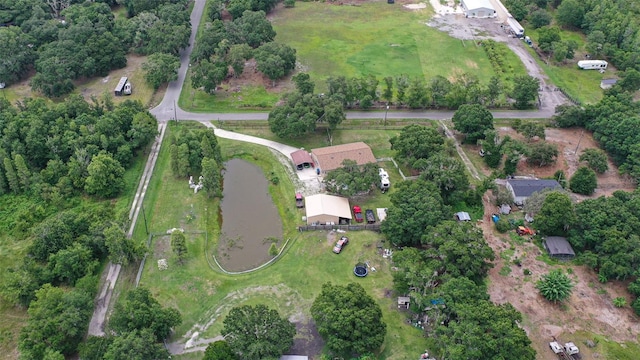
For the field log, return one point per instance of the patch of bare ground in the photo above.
(589, 308)
(251, 76)
(571, 144)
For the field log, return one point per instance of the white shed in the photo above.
(478, 9)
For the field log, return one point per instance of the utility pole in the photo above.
(579, 140)
(385, 115)
(145, 220)
(175, 111)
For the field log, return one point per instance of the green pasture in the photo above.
(204, 295)
(583, 85)
(375, 39)
(372, 38)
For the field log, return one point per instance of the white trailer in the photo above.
(515, 26)
(592, 64)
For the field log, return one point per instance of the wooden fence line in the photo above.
(372, 227)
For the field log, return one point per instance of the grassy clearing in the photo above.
(353, 41)
(290, 284)
(374, 39)
(580, 84)
(604, 348)
(250, 98)
(101, 85)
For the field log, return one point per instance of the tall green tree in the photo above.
(12, 177)
(473, 121)
(417, 142)
(136, 345)
(219, 350)
(416, 205)
(122, 249)
(303, 82)
(70, 264)
(105, 176)
(525, 91)
(348, 319)
(275, 60)
(22, 171)
(179, 245)
(542, 153)
(557, 214)
(58, 321)
(138, 310)
(257, 332)
(583, 181)
(161, 68)
(212, 179)
(17, 54)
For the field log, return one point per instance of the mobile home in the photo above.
(592, 64)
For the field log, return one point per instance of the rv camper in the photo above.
(515, 27)
(119, 91)
(384, 180)
(592, 64)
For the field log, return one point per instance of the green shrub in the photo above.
(503, 226)
(619, 302)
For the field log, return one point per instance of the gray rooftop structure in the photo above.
(524, 187)
(559, 247)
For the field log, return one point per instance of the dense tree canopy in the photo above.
(58, 321)
(473, 121)
(348, 319)
(583, 181)
(417, 142)
(161, 68)
(417, 205)
(219, 350)
(556, 215)
(351, 179)
(257, 332)
(300, 114)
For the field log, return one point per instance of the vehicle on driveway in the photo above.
(371, 218)
(340, 244)
(299, 201)
(523, 230)
(357, 212)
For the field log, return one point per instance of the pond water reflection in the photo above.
(249, 217)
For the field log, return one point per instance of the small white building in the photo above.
(478, 9)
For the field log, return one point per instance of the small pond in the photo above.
(249, 218)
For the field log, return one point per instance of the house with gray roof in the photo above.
(521, 189)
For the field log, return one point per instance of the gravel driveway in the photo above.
(479, 29)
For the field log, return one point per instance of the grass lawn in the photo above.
(204, 295)
(583, 85)
(372, 38)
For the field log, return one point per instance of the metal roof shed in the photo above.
(301, 157)
(331, 157)
(559, 247)
(463, 216)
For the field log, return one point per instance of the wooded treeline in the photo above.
(67, 40)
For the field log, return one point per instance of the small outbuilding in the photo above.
(325, 209)
(331, 157)
(478, 9)
(505, 209)
(558, 247)
(521, 189)
(301, 159)
(607, 83)
(119, 90)
(403, 302)
(463, 216)
(294, 357)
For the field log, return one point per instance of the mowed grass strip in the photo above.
(204, 295)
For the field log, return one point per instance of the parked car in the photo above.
(357, 212)
(299, 201)
(371, 218)
(340, 244)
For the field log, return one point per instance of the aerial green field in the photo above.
(374, 38)
(204, 295)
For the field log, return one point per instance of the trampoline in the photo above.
(360, 270)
